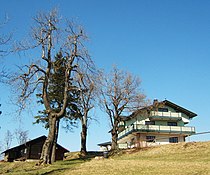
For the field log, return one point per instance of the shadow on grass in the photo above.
(55, 171)
(58, 167)
(77, 160)
(90, 155)
(66, 165)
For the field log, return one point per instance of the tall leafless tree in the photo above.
(87, 99)
(120, 96)
(55, 96)
(51, 37)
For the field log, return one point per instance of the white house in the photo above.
(161, 123)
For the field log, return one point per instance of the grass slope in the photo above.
(176, 159)
(29, 168)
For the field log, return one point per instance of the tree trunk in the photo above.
(114, 145)
(114, 133)
(47, 147)
(83, 138)
(53, 157)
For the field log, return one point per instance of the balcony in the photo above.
(156, 115)
(185, 130)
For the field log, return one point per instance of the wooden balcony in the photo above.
(185, 130)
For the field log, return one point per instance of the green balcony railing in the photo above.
(165, 115)
(158, 129)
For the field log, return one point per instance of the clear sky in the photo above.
(165, 42)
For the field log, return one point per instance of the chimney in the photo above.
(155, 101)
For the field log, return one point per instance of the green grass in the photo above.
(176, 159)
(29, 168)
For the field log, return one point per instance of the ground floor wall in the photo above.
(150, 139)
(105, 148)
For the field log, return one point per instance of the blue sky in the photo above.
(166, 43)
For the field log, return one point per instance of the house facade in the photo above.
(31, 150)
(161, 123)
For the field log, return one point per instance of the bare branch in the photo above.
(5, 38)
(21, 136)
(120, 95)
(49, 37)
(8, 139)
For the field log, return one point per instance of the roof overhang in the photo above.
(29, 142)
(179, 108)
(105, 144)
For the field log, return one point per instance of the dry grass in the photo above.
(176, 159)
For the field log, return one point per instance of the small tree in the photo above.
(21, 136)
(120, 96)
(8, 139)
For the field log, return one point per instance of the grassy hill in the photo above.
(176, 159)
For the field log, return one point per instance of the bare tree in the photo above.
(4, 38)
(120, 96)
(8, 139)
(5, 41)
(87, 98)
(1, 147)
(50, 37)
(55, 96)
(21, 136)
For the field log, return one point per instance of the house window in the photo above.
(173, 140)
(150, 138)
(163, 109)
(149, 122)
(172, 123)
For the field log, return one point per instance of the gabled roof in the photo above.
(105, 144)
(31, 142)
(179, 108)
(156, 103)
